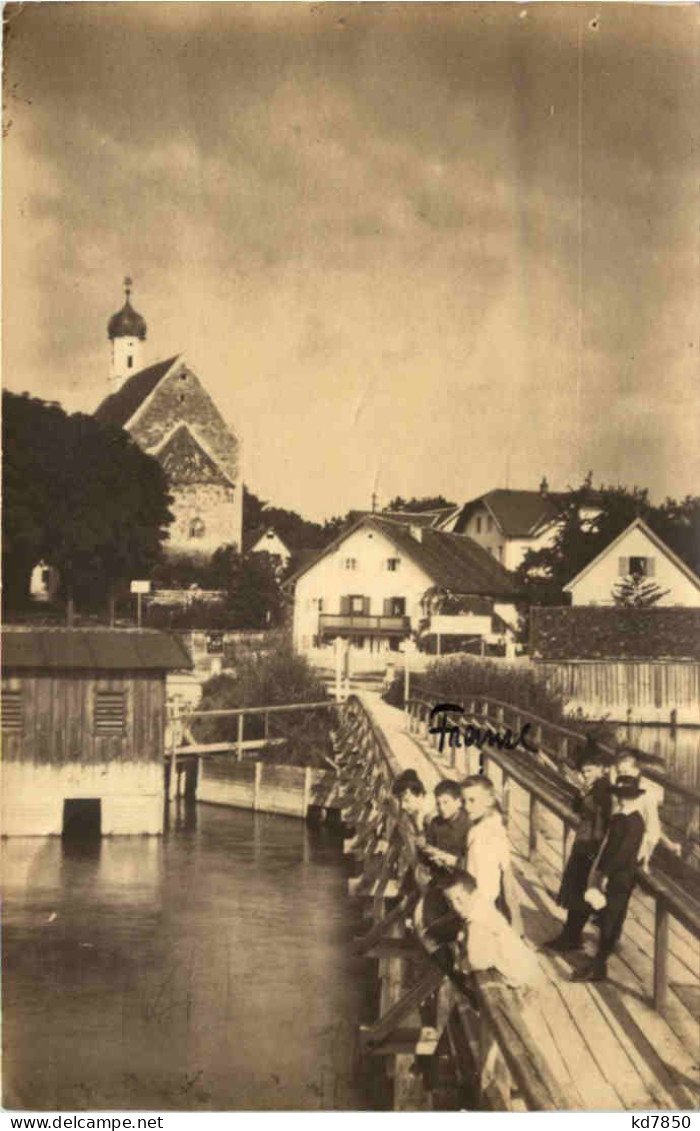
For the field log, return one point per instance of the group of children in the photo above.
(618, 831)
(468, 901)
(464, 872)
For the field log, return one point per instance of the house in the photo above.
(170, 414)
(82, 729)
(371, 585)
(636, 553)
(508, 523)
(266, 540)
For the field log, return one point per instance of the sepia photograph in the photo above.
(350, 558)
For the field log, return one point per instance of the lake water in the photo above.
(209, 969)
(679, 749)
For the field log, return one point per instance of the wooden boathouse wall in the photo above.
(83, 721)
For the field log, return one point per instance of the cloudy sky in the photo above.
(424, 247)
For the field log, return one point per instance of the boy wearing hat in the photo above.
(615, 873)
(594, 805)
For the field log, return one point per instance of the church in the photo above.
(169, 413)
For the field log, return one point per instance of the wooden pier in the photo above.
(630, 1043)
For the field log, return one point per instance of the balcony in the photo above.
(355, 624)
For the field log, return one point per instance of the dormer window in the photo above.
(196, 528)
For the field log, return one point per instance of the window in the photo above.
(392, 564)
(196, 528)
(357, 605)
(642, 567)
(12, 711)
(349, 563)
(130, 362)
(395, 607)
(489, 524)
(500, 553)
(82, 818)
(110, 712)
(478, 525)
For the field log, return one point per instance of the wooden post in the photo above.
(267, 724)
(256, 785)
(239, 751)
(532, 828)
(505, 798)
(660, 954)
(307, 791)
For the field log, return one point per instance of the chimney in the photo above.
(417, 533)
(544, 486)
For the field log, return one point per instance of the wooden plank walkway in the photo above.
(604, 1042)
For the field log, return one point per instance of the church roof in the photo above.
(119, 407)
(127, 323)
(185, 460)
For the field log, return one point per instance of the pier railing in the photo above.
(478, 1029)
(670, 901)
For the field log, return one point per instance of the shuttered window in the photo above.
(12, 711)
(110, 712)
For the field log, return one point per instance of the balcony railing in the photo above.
(331, 624)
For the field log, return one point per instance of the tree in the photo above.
(82, 496)
(296, 532)
(253, 595)
(417, 506)
(543, 573)
(637, 591)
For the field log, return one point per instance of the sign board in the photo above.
(215, 643)
(140, 587)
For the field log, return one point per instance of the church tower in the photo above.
(126, 331)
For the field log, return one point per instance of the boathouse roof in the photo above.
(92, 649)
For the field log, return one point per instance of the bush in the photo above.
(455, 681)
(275, 678)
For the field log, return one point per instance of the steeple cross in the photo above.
(128, 284)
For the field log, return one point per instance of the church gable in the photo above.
(181, 399)
(186, 462)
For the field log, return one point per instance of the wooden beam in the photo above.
(426, 985)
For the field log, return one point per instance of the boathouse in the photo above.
(83, 729)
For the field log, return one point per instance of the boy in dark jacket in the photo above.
(615, 874)
(594, 806)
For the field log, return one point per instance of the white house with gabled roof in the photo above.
(639, 552)
(368, 587)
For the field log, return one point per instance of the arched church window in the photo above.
(196, 528)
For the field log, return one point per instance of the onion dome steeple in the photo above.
(126, 331)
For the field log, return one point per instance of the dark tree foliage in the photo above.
(296, 532)
(252, 593)
(417, 506)
(543, 573)
(80, 495)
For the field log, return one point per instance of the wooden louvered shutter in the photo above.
(650, 567)
(344, 606)
(12, 710)
(110, 712)
(623, 567)
(387, 606)
(365, 606)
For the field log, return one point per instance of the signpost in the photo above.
(408, 647)
(139, 588)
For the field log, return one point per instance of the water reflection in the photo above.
(207, 969)
(678, 749)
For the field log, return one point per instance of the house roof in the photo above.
(659, 543)
(519, 514)
(452, 561)
(118, 408)
(253, 536)
(92, 649)
(414, 518)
